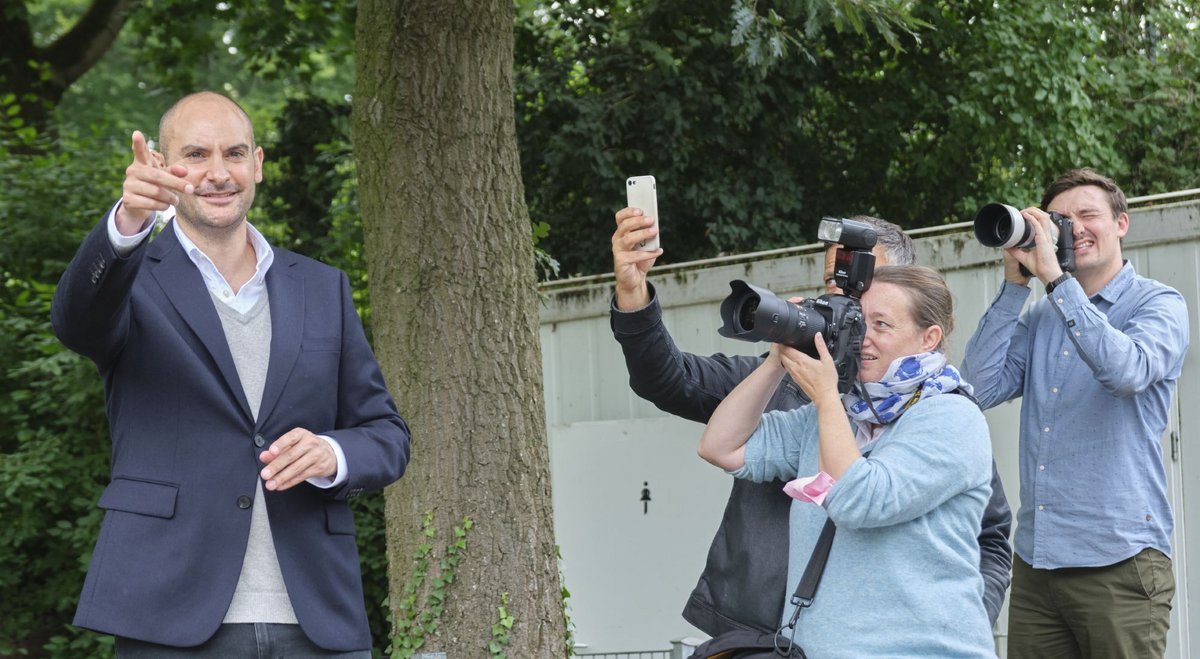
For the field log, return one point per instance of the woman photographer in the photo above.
(902, 578)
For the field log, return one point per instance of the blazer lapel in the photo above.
(184, 287)
(285, 292)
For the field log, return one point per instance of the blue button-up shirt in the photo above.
(1096, 375)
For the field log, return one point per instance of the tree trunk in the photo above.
(455, 315)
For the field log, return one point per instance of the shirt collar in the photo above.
(1118, 284)
(264, 256)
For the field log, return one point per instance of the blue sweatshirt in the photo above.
(903, 574)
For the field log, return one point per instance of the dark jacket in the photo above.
(185, 443)
(743, 583)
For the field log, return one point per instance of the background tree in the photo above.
(455, 307)
(38, 74)
(759, 122)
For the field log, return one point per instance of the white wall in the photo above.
(630, 569)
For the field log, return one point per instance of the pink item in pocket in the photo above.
(811, 489)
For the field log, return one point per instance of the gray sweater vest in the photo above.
(261, 595)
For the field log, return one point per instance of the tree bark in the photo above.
(455, 317)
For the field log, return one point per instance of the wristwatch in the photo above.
(1055, 284)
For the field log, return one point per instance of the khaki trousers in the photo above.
(1119, 611)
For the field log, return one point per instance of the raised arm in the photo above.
(89, 312)
(683, 384)
(724, 440)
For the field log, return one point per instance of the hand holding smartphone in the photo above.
(641, 192)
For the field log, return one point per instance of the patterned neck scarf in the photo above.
(906, 381)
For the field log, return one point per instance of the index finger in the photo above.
(822, 349)
(141, 152)
(287, 440)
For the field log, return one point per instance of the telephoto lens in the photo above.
(752, 313)
(1003, 226)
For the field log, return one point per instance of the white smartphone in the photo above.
(641, 192)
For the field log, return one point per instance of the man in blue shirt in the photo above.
(1096, 362)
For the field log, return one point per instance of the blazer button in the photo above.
(244, 502)
(258, 440)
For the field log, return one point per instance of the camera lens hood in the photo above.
(1003, 226)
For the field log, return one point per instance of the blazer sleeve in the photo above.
(373, 436)
(90, 312)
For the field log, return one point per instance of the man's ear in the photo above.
(159, 161)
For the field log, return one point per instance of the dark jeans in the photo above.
(241, 641)
(1117, 611)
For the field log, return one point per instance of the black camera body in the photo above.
(751, 313)
(1003, 226)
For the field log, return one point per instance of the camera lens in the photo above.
(745, 316)
(751, 313)
(1001, 225)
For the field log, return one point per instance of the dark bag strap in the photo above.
(806, 590)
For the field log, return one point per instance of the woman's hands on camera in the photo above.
(818, 378)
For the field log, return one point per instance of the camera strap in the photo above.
(866, 397)
(806, 590)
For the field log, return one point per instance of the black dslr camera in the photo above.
(1003, 226)
(751, 313)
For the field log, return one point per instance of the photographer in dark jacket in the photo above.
(742, 586)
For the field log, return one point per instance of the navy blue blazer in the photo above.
(185, 446)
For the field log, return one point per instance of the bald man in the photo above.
(245, 408)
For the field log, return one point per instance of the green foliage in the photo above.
(305, 43)
(415, 617)
(54, 453)
(547, 265)
(765, 39)
(568, 624)
(500, 630)
(605, 90)
(990, 103)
